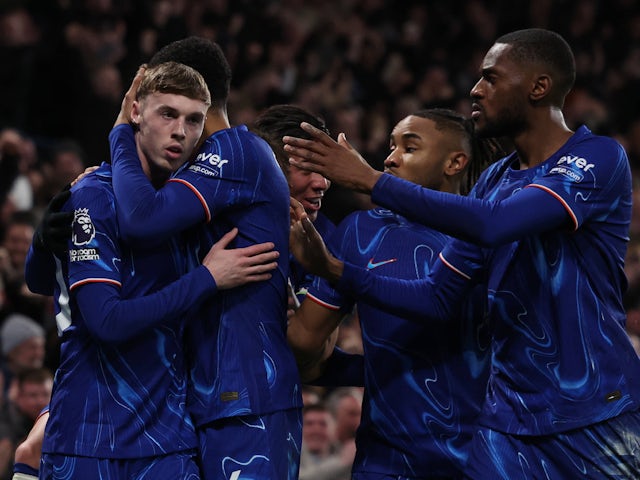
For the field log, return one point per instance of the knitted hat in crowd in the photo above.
(16, 329)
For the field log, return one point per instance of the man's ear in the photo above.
(135, 113)
(541, 87)
(456, 163)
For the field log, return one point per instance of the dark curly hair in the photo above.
(204, 56)
(280, 120)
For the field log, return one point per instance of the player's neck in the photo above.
(216, 120)
(544, 136)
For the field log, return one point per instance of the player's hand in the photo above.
(309, 248)
(296, 211)
(54, 231)
(337, 161)
(124, 116)
(237, 266)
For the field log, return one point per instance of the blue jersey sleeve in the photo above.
(435, 298)
(112, 319)
(146, 214)
(95, 279)
(588, 179)
(320, 290)
(485, 222)
(581, 181)
(39, 272)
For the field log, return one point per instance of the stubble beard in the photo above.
(508, 122)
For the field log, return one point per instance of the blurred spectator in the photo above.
(32, 394)
(22, 341)
(633, 327)
(13, 254)
(312, 395)
(322, 457)
(345, 405)
(17, 155)
(632, 296)
(67, 161)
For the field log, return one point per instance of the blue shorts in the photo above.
(605, 450)
(262, 447)
(180, 465)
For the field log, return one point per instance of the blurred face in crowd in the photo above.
(308, 188)
(418, 152)
(28, 354)
(33, 397)
(317, 431)
(347, 417)
(68, 165)
(17, 241)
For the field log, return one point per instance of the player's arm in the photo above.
(485, 222)
(435, 298)
(40, 271)
(310, 334)
(6, 447)
(28, 453)
(51, 236)
(557, 201)
(112, 319)
(144, 213)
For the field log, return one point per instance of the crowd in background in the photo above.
(360, 64)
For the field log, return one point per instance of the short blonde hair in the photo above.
(176, 78)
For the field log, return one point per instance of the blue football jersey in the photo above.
(240, 361)
(561, 356)
(424, 382)
(115, 399)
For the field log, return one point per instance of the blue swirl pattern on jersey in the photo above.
(242, 363)
(424, 383)
(562, 358)
(117, 400)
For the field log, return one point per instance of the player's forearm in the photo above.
(113, 320)
(487, 223)
(333, 270)
(40, 271)
(316, 367)
(144, 213)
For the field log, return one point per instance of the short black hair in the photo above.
(484, 151)
(280, 120)
(547, 48)
(204, 56)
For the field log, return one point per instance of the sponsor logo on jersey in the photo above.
(572, 167)
(82, 228)
(83, 254)
(208, 164)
